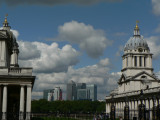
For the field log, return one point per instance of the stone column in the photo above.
(21, 110)
(151, 108)
(4, 103)
(137, 61)
(0, 99)
(136, 108)
(142, 61)
(130, 109)
(129, 61)
(28, 106)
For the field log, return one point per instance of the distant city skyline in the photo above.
(79, 40)
(81, 91)
(52, 94)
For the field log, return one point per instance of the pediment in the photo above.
(2, 35)
(144, 76)
(122, 78)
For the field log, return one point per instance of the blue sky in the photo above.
(80, 40)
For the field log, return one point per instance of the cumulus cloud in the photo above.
(28, 51)
(53, 2)
(156, 8)
(48, 58)
(92, 41)
(95, 74)
(120, 50)
(154, 45)
(158, 29)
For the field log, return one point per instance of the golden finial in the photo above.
(137, 24)
(6, 18)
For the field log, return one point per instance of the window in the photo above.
(127, 61)
(144, 76)
(135, 61)
(144, 61)
(140, 61)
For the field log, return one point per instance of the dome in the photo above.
(137, 41)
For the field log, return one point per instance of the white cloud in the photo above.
(93, 41)
(95, 74)
(120, 50)
(28, 51)
(47, 58)
(154, 45)
(156, 8)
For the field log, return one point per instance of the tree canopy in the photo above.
(68, 106)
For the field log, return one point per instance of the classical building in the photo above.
(137, 95)
(16, 83)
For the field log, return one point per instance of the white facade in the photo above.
(137, 77)
(15, 83)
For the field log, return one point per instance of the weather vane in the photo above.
(137, 23)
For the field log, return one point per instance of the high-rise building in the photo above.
(71, 90)
(57, 93)
(93, 91)
(48, 94)
(83, 94)
(81, 86)
(81, 91)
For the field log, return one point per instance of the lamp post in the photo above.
(112, 115)
(126, 110)
(154, 108)
(142, 109)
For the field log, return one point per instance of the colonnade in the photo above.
(133, 107)
(22, 103)
(131, 60)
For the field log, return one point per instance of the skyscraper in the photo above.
(83, 94)
(48, 94)
(81, 86)
(93, 91)
(71, 90)
(57, 93)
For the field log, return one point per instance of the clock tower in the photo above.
(137, 71)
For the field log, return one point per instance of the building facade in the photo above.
(83, 94)
(16, 83)
(52, 94)
(137, 95)
(71, 90)
(57, 93)
(92, 91)
(81, 91)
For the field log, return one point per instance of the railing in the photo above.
(20, 71)
(14, 70)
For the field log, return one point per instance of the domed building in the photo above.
(137, 95)
(16, 83)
